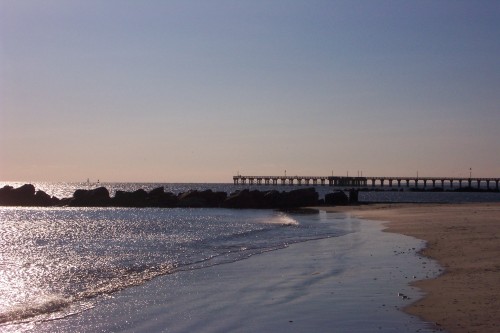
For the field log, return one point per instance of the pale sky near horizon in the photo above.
(196, 91)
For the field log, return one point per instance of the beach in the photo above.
(465, 240)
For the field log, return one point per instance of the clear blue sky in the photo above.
(196, 91)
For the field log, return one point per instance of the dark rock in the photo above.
(168, 200)
(64, 202)
(299, 198)
(191, 199)
(214, 199)
(272, 199)
(6, 196)
(23, 196)
(130, 199)
(336, 198)
(206, 198)
(353, 196)
(27, 190)
(43, 199)
(98, 197)
(243, 199)
(26, 195)
(157, 192)
(159, 198)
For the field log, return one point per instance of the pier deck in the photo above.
(366, 181)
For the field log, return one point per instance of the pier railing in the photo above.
(366, 181)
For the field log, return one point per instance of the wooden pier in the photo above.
(367, 181)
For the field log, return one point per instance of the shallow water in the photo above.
(339, 284)
(56, 261)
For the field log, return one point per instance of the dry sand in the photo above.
(465, 240)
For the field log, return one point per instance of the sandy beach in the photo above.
(465, 240)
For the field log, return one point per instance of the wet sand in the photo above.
(465, 240)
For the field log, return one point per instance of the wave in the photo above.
(44, 308)
(35, 309)
(283, 219)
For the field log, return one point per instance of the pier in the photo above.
(368, 181)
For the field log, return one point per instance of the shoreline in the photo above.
(465, 241)
(349, 283)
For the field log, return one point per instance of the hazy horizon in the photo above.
(196, 91)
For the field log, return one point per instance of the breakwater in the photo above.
(27, 195)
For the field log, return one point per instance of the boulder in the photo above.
(299, 198)
(7, 196)
(159, 198)
(27, 191)
(206, 198)
(98, 197)
(157, 192)
(25, 195)
(336, 198)
(244, 199)
(43, 199)
(272, 199)
(130, 199)
(353, 196)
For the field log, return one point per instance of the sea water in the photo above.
(59, 261)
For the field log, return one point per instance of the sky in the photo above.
(199, 91)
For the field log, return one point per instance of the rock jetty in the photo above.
(27, 195)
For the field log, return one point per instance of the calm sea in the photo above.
(57, 261)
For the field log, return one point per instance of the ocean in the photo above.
(57, 261)
(60, 261)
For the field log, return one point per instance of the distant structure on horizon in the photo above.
(363, 181)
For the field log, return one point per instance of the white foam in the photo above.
(281, 219)
(41, 306)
